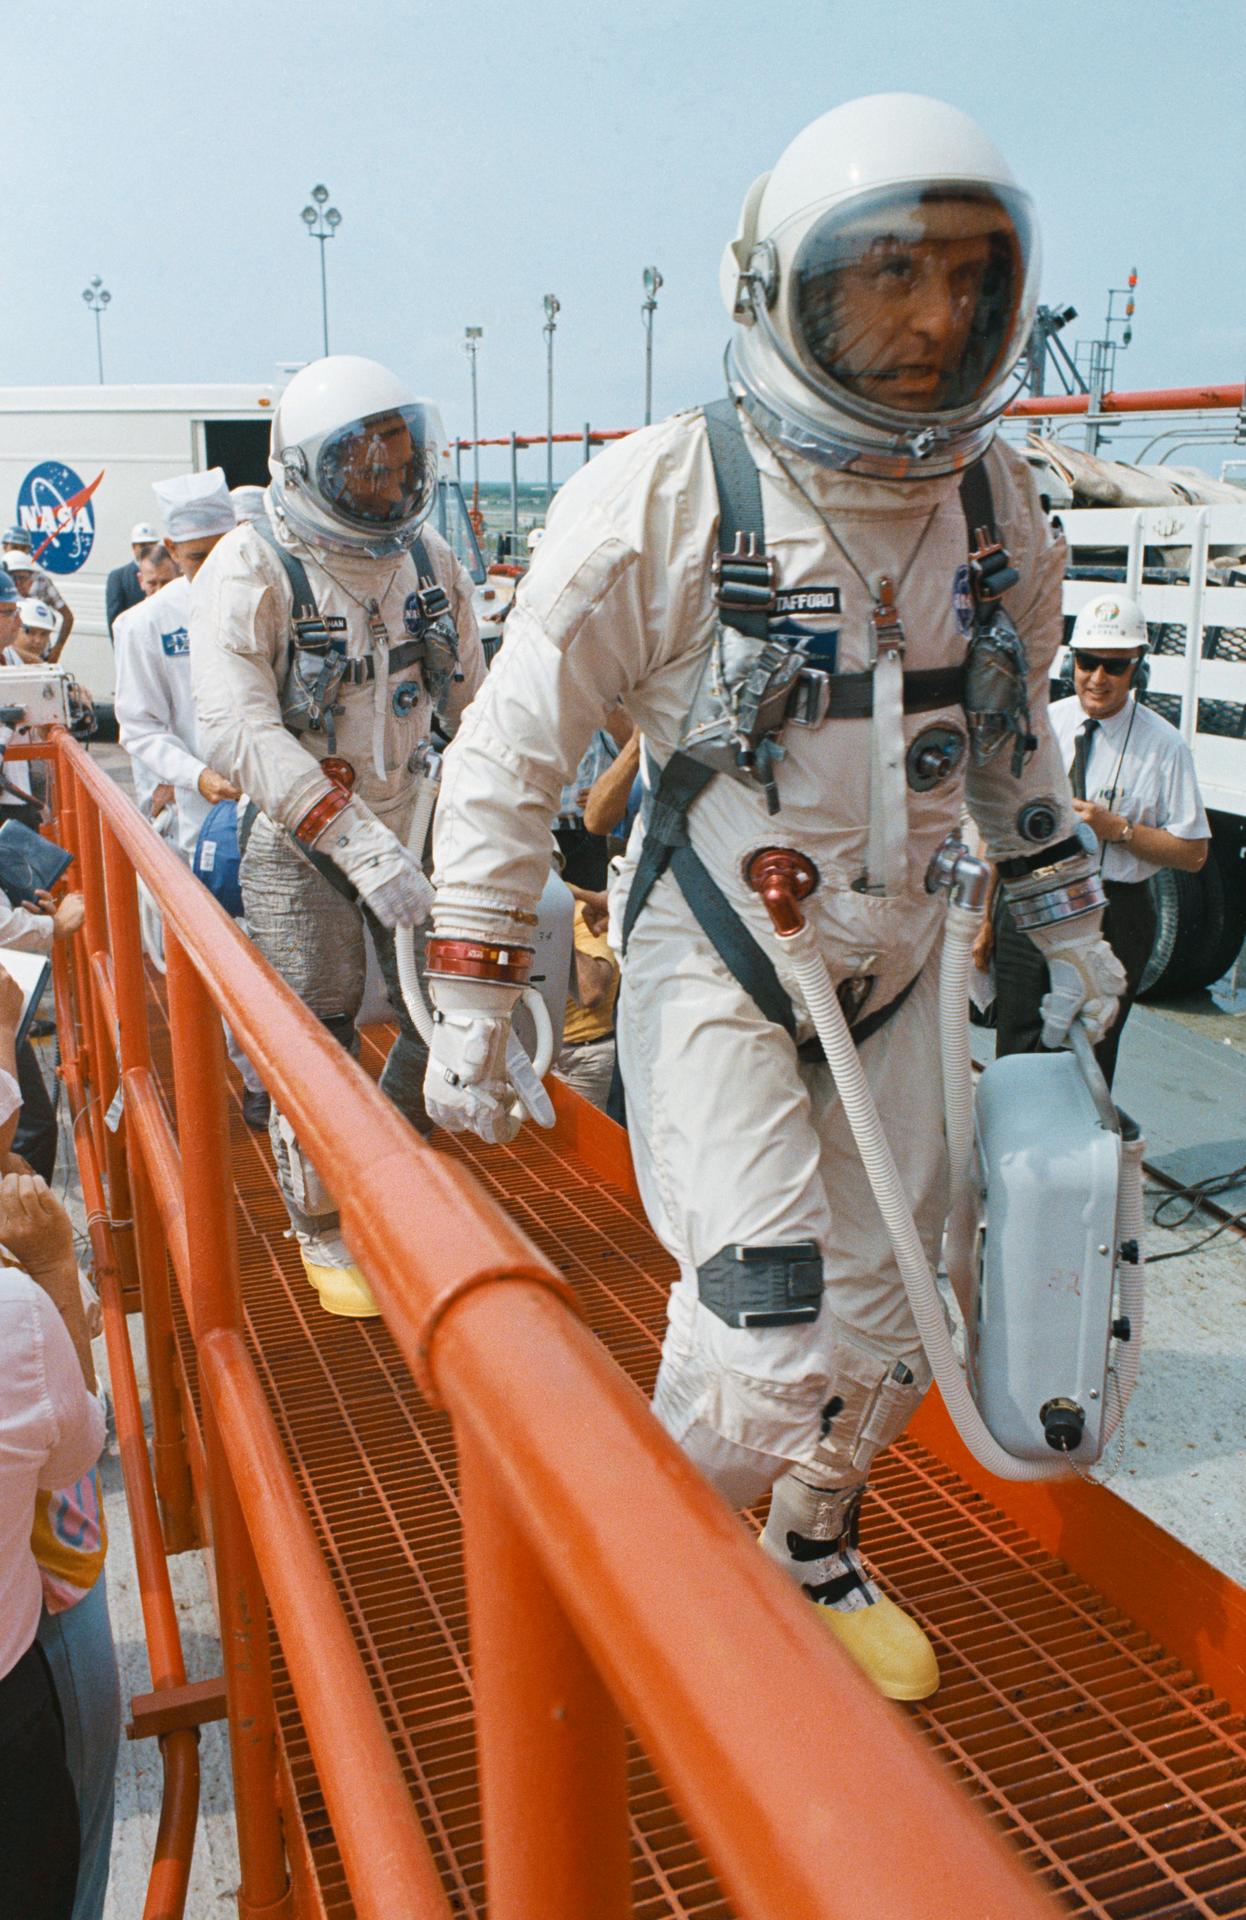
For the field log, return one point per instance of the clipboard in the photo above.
(32, 971)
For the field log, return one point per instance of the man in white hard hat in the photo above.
(322, 637)
(1134, 785)
(124, 588)
(779, 590)
(155, 708)
(33, 584)
(37, 625)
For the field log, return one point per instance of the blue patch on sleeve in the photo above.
(175, 643)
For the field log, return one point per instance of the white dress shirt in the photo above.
(51, 1433)
(1138, 766)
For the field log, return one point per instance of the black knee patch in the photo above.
(763, 1286)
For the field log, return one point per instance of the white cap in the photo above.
(1110, 623)
(249, 503)
(36, 613)
(195, 504)
(15, 561)
(142, 534)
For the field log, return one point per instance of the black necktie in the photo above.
(1081, 754)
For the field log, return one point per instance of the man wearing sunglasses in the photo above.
(1134, 784)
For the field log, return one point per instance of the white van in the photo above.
(77, 466)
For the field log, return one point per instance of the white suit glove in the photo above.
(479, 1078)
(389, 879)
(1087, 980)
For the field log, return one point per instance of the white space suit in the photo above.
(246, 684)
(744, 1157)
(155, 707)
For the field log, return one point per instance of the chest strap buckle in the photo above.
(990, 569)
(433, 601)
(747, 579)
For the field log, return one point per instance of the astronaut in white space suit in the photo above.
(322, 635)
(790, 595)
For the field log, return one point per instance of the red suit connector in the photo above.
(783, 877)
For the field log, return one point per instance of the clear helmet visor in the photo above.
(381, 471)
(913, 305)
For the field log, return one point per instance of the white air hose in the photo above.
(960, 932)
(404, 937)
(844, 1061)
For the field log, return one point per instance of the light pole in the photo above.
(552, 309)
(653, 280)
(322, 223)
(97, 297)
(472, 339)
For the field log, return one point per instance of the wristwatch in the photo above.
(1126, 835)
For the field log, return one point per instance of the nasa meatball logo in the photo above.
(54, 506)
(412, 617)
(962, 599)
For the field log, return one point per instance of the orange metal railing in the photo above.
(581, 1519)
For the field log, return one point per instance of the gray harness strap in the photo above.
(743, 604)
(667, 845)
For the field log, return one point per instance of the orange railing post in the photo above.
(553, 1762)
(216, 1303)
(107, 1067)
(172, 1469)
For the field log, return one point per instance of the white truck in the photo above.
(1176, 543)
(77, 466)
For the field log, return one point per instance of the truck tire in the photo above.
(1179, 916)
(1228, 855)
(1199, 960)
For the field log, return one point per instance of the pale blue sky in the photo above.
(483, 154)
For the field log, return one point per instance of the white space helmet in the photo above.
(884, 280)
(1109, 623)
(354, 456)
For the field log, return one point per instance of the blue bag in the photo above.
(218, 856)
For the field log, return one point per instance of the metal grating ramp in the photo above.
(1121, 1779)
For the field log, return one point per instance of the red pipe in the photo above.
(1157, 400)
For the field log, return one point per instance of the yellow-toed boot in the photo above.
(342, 1288)
(813, 1533)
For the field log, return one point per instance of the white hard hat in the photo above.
(884, 280)
(15, 561)
(1110, 623)
(36, 614)
(143, 534)
(354, 456)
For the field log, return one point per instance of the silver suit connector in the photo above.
(956, 871)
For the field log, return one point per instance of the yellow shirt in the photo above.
(590, 1023)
